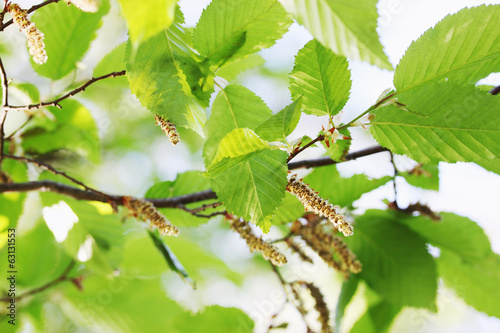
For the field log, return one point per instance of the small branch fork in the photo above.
(63, 277)
(5, 103)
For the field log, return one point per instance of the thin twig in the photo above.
(495, 90)
(50, 168)
(195, 213)
(32, 9)
(324, 161)
(5, 103)
(63, 277)
(71, 93)
(295, 153)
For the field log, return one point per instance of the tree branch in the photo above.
(71, 93)
(63, 277)
(5, 103)
(32, 9)
(298, 151)
(495, 90)
(174, 202)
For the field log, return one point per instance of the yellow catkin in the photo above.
(90, 6)
(169, 129)
(35, 37)
(314, 203)
(321, 308)
(269, 251)
(146, 211)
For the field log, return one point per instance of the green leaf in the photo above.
(463, 46)
(165, 75)
(347, 292)
(114, 61)
(458, 123)
(236, 147)
(338, 190)
(254, 189)
(339, 149)
(377, 318)
(322, 78)
(492, 165)
(347, 28)
(172, 261)
(146, 21)
(68, 33)
(27, 89)
(454, 233)
(282, 124)
(215, 316)
(238, 27)
(395, 260)
(234, 107)
(476, 282)
(185, 183)
(73, 129)
(233, 68)
(289, 210)
(424, 176)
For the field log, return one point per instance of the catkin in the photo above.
(269, 251)
(313, 202)
(146, 211)
(90, 6)
(169, 129)
(35, 37)
(321, 308)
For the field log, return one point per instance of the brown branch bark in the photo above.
(5, 103)
(495, 90)
(32, 9)
(46, 185)
(71, 93)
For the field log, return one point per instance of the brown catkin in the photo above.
(169, 129)
(314, 203)
(331, 249)
(35, 37)
(269, 251)
(90, 6)
(321, 307)
(146, 211)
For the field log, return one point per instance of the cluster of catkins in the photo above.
(314, 203)
(169, 129)
(35, 37)
(321, 307)
(269, 251)
(146, 211)
(331, 249)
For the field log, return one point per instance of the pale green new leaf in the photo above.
(146, 20)
(339, 149)
(114, 61)
(234, 107)
(167, 78)
(254, 189)
(347, 292)
(476, 281)
(463, 46)
(282, 124)
(338, 190)
(322, 79)
(68, 33)
(289, 210)
(454, 123)
(396, 263)
(493, 165)
(238, 27)
(377, 318)
(452, 233)
(346, 27)
(237, 146)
